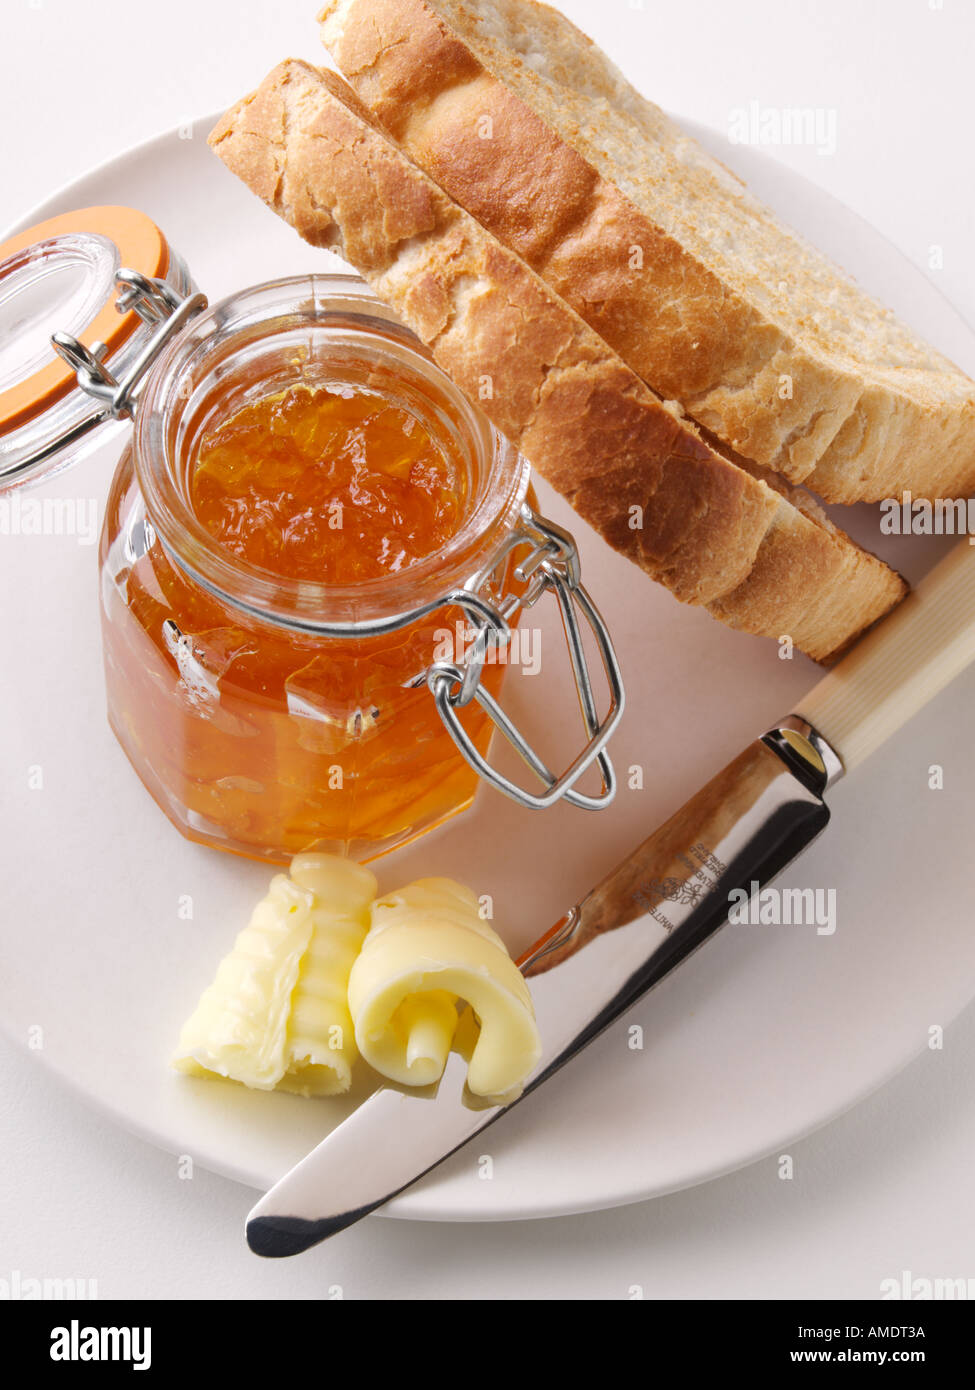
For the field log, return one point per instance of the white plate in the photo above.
(767, 1034)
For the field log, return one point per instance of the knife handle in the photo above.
(902, 664)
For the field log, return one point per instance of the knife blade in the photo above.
(651, 912)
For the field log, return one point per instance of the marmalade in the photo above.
(334, 486)
(261, 739)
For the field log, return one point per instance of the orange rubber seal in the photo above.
(142, 247)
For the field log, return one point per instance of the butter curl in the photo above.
(428, 953)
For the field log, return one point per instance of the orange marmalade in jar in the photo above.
(304, 523)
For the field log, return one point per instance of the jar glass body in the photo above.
(269, 717)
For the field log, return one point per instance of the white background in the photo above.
(884, 1189)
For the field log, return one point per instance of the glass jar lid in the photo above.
(61, 276)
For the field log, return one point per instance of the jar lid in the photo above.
(60, 276)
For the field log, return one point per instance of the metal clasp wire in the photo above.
(159, 307)
(552, 565)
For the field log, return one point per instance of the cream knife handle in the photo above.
(902, 664)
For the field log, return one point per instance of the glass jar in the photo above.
(267, 715)
(255, 722)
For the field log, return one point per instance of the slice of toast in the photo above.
(759, 556)
(698, 287)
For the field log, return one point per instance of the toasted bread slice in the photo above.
(698, 287)
(757, 555)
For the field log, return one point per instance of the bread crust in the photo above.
(752, 381)
(646, 480)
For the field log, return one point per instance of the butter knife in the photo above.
(652, 911)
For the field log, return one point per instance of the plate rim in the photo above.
(419, 1206)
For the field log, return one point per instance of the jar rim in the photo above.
(313, 305)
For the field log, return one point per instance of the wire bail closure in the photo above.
(552, 564)
(159, 307)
